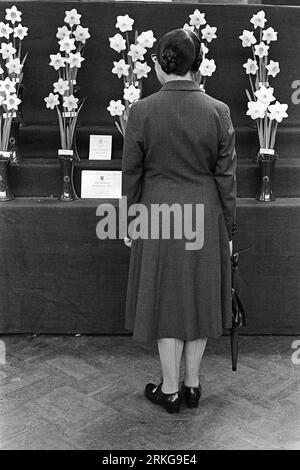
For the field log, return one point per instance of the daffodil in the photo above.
(51, 101)
(72, 17)
(251, 66)
(146, 39)
(141, 69)
(261, 50)
(131, 94)
(70, 102)
(197, 19)
(61, 86)
(116, 108)
(207, 67)
(269, 35)
(67, 44)
(188, 27)
(7, 86)
(256, 110)
(13, 15)
(81, 34)
(5, 30)
(273, 68)
(74, 60)
(7, 50)
(121, 68)
(247, 38)
(57, 61)
(259, 19)
(209, 33)
(137, 52)
(277, 111)
(62, 32)
(12, 102)
(124, 23)
(20, 32)
(265, 95)
(14, 66)
(117, 42)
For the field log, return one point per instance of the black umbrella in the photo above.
(238, 312)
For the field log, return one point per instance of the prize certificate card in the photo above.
(100, 147)
(101, 184)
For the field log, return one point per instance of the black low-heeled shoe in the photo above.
(191, 395)
(169, 401)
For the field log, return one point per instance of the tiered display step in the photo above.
(41, 177)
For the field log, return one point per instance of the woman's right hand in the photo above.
(128, 241)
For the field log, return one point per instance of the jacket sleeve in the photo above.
(225, 171)
(132, 162)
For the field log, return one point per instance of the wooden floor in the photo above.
(66, 392)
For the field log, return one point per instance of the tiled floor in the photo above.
(66, 392)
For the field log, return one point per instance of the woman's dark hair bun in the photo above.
(168, 61)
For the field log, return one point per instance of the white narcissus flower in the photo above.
(137, 52)
(20, 32)
(116, 108)
(51, 101)
(259, 19)
(12, 102)
(261, 50)
(131, 94)
(209, 33)
(75, 60)
(207, 67)
(70, 102)
(141, 69)
(81, 34)
(61, 86)
(277, 111)
(187, 27)
(265, 95)
(7, 86)
(146, 39)
(124, 23)
(256, 110)
(57, 61)
(62, 32)
(204, 49)
(72, 17)
(247, 38)
(5, 30)
(7, 50)
(121, 68)
(67, 44)
(117, 42)
(13, 14)
(251, 66)
(14, 66)
(273, 68)
(269, 35)
(197, 19)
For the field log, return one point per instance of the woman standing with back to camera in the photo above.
(180, 148)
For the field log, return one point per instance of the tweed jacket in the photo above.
(178, 134)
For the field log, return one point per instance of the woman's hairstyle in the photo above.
(179, 52)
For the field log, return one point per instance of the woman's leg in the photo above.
(170, 352)
(193, 352)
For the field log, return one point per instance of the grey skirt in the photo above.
(178, 293)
